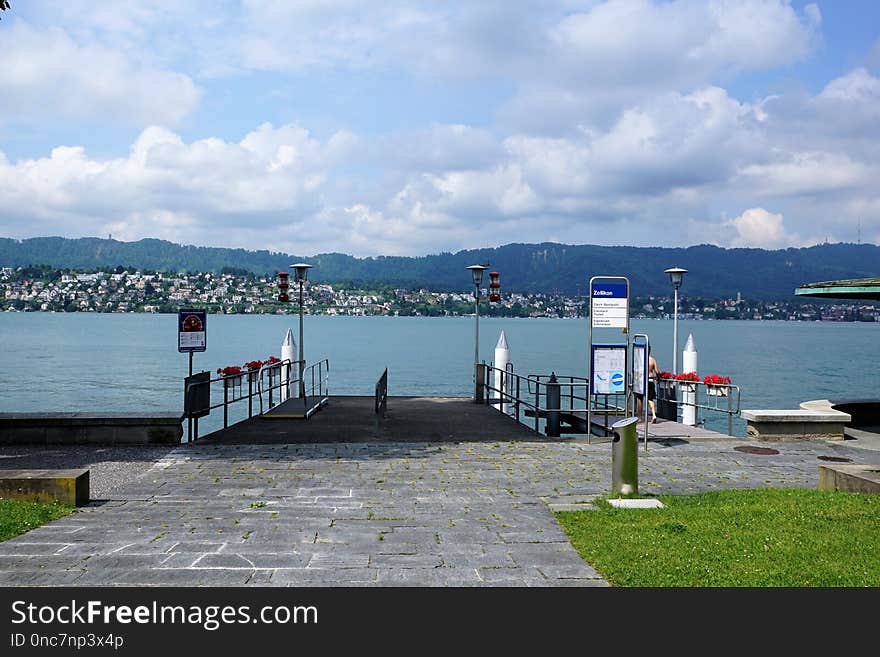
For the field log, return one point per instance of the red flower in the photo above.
(667, 375)
(716, 379)
(231, 370)
(271, 360)
(254, 364)
(686, 376)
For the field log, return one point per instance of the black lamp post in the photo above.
(675, 275)
(301, 273)
(477, 271)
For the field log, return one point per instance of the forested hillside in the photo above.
(713, 272)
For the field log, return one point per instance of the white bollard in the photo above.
(502, 357)
(288, 352)
(689, 364)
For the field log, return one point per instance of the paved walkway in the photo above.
(423, 514)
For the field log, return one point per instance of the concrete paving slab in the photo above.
(636, 504)
(452, 514)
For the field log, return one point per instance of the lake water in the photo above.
(129, 362)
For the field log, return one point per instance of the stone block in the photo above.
(66, 486)
(795, 424)
(852, 478)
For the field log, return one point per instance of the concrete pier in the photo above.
(407, 419)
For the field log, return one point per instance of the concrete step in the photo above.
(66, 486)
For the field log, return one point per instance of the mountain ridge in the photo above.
(713, 272)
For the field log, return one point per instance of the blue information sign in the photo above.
(608, 365)
(609, 290)
(192, 330)
(609, 305)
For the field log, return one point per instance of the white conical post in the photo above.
(502, 357)
(689, 399)
(288, 353)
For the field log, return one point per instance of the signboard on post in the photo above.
(608, 368)
(197, 395)
(192, 330)
(609, 305)
(640, 369)
(609, 309)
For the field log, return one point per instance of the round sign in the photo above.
(192, 323)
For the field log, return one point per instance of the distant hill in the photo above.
(713, 272)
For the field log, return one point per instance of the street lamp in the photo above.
(675, 275)
(301, 273)
(477, 271)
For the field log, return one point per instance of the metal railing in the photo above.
(544, 397)
(314, 390)
(317, 378)
(561, 399)
(711, 397)
(197, 392)
(269, 386)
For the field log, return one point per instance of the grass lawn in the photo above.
(766, 537)
(17, 517)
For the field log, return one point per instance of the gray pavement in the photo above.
(361, 514)
(110, 467)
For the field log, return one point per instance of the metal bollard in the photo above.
(479, 382)
(553, 397)
(624, 457)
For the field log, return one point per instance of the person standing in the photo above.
(653, 375)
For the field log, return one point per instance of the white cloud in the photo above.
(644, 44)
(602, 60)
(663, 174)
(756, 227)
(617, 126)
(46, 74)
(856, 86)
(805, 173)
(439, 147)
(266, 179)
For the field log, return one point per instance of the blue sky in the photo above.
(419, 127)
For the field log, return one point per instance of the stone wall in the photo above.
(86, 428)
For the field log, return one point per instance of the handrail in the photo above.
(714, 392)
(271, 371)
(233, 391)
(509, 393)
(323, 379)
(516, 394)
(317, 393)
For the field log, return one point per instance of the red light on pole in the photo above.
(283, 285)
(494, 287)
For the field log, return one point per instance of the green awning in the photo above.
(855, 288)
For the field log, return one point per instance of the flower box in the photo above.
(717, 385)
(687, 381)
(232, 375)
(253, 370)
